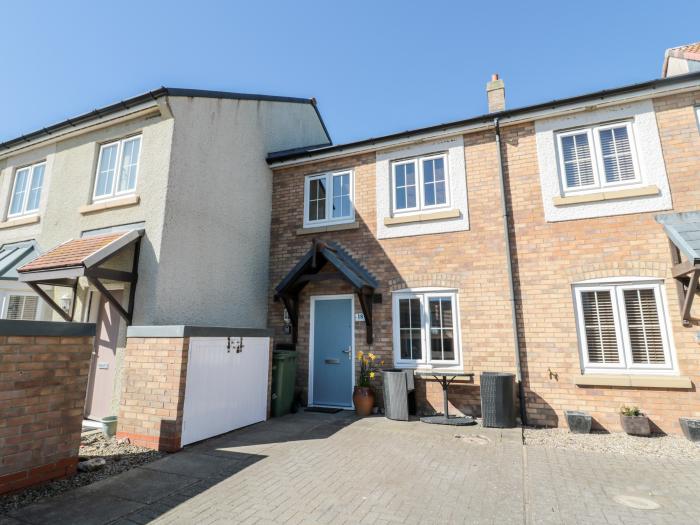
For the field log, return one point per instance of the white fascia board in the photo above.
(114, 246)
(556, 110)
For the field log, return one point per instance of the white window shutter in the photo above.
(617, 154)
(599, 325)
(644, 327)
(578, 164)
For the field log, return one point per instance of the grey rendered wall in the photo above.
(70, 169)
(215, 247)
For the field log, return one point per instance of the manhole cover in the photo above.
(635, 502)
(476, 440)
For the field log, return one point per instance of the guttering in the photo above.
(509, 267)
(599, 99)
(151, 96)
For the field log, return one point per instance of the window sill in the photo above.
(329, 228)
(645, 191)
(19, 221)
(119, 202)
(639, 381)
(422, 217)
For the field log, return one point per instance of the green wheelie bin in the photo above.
(284, 371)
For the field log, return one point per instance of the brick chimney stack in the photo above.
(496, 94)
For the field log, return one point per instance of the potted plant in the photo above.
(363, 395)
(634, 422)
(691, 428)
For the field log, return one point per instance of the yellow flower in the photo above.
(359, 355)
(371, 356)
(381, 362)
(371, 375)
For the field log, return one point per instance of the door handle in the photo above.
(348, 351)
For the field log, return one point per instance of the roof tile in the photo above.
(71, 253)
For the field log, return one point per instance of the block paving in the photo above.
(333, 468)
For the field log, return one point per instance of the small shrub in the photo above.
(630, 411)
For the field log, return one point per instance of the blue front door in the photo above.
(332, 351)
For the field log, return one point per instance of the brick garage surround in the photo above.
(43, 381)
(153, 392)
(547, 258)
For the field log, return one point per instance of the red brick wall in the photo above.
(43, 383)
(472, 261)
(547, 258)
(153, 392)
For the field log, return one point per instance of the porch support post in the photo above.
(689, 295)
(134, 278)
(365, 297)
(49, 300)
(110, 298)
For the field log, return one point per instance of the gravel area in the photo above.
(657, 446)
(119, 457)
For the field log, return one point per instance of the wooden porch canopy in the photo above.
(84, 257)
(345, 268)
(683, 231)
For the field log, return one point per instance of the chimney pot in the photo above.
(496, 94)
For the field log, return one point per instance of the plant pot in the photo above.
(578, 422)
(109, 426)
(635, 425)
(363, 398)
(691, 428)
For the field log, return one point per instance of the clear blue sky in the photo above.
(375, 67)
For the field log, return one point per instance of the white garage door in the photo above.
(226, 388)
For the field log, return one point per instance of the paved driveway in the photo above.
(322, 468)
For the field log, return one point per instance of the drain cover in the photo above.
(635, 502)
(477, 440)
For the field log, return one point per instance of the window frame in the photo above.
(6, 304)
(426, 360)
(597, 161)
(329, 219)
(117, 168)
(626, 364)
(25, 198)
(420, 183)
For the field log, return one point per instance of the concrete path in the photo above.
(322, 468)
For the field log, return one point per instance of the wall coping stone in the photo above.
(46, 329)
(196, 331)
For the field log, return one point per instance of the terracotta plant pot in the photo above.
(635, 425)
(363, 398)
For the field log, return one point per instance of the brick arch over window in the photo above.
(420, 280)
(659, 270)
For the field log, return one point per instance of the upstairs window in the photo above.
(420, 183)
(623, 327)
(598, 157)
(117, 168)
(425, 328)
(26, 190)
(328, 198)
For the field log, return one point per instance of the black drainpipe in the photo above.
(511, 283)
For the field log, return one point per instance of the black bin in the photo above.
(498, 399)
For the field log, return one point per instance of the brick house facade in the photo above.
(553, 248)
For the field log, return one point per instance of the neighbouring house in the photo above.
(152, 212)
(532, 240)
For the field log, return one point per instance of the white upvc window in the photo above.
(426, 329)
(623, 327)
(21, 307)
(420, 183)
(117, 168)
(328, 198)
(598, 157)
(26, 190)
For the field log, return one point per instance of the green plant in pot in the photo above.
(633, 421)
(363, 395)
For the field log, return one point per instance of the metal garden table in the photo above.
(445, 378)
